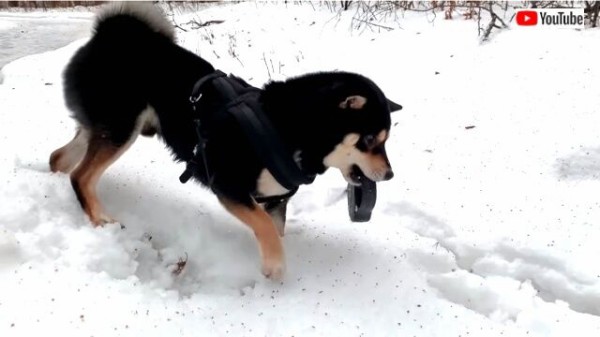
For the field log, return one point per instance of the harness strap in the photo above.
(199, 151)
(199, 158)
(258, 129)
(197, 90)
(275, 198)
(269, 148)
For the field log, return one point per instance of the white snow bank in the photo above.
(484, 231)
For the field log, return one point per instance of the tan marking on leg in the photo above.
(99, 156)
(277, 211)
(265, 231)
(67, 157)
(279, 224)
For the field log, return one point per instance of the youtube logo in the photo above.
(527, 18)
(551, 17)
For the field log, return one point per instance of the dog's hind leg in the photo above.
(101, 153)
(271, 249)
(67, 157)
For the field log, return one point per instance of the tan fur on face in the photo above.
(353, 102)
(345, 154)
(382, 136)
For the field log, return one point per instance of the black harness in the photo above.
(242, 102)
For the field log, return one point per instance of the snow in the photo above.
(484, 231)
(25, 33)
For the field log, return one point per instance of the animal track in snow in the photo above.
(584, 164)
(499, 279)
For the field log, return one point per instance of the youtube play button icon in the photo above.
(527, 18)
(551, 17)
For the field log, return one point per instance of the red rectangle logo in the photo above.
(527, 18)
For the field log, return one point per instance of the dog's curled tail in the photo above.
(151, 15)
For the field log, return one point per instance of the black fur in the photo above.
(127, 66)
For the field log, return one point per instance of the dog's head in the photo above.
(364, 117)
(341, 120)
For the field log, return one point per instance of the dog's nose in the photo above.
(388, 175)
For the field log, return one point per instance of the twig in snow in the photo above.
(488, 30)
(178, 26)
(492, 23)
(479, 20)
(204, 24)
(374, 24)
(266, 65)
(180, 265)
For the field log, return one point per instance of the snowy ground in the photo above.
(27, 33)
(484, 231)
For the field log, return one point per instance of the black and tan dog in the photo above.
(131, 78)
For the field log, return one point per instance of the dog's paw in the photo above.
(103, 219)
(274, 269)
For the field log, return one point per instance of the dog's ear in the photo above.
(394, 106)
(353, 102)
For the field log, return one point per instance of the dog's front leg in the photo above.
(265, 230)
(277, 210)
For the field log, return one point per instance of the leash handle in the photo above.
(361, 200)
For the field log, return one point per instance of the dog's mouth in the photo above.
(356, 176)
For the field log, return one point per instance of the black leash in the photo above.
(243, 104)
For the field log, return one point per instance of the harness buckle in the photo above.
(199, 156)
(195, 99)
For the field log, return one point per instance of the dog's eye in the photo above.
(369, 140)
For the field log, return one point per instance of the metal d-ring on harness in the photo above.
(243, 104)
